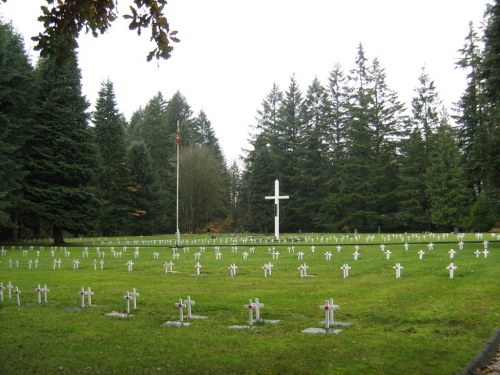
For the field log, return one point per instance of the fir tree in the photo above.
(445, 182)
(15, 114)
(142, 189)
(112, 177)
(491, 75)
(60, 152)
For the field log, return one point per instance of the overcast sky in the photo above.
(231, 52)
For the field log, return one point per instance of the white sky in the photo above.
(231, 52)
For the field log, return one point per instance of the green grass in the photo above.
(423, 323)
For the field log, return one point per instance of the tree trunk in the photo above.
(58, 236)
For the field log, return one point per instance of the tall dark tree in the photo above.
(445, 182)
(142, 188)
(411, 196)
(284, 143)
(205, 136)
(260, 173)
(112, 176)
(426, 106)
(258, 181)
(60, 153)
(310, 188)
(491, 74)
(367, 173)
(15, 114)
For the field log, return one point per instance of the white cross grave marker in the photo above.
(198, 267)
(257, 306)
(486, 252)
(452, 269)
(388, 254)
(133, 295)
(181, 306)
(83, 293)
(328, 308)
(89, 293)
(45, 291)
(17, 292)
(130, 266)
(250, 307)
(421, 254)
(303, 270)
(328, 255)
(277, 198)
(38, 291)
(127, 299)
(189, 302)
(356, 255)
(345, 270)
(452, 253)
(232, 269)
(9, 289)
(398, 267)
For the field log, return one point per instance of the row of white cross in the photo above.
(253, 307)
(17, 292)
(234, 242)
(275, 255)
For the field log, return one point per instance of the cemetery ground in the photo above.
(421, 323)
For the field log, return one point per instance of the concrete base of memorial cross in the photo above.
(322, 330)
(115, 314)
(175, 324)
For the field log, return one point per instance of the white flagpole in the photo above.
(177, 233)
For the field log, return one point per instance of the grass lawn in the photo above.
(423, 323)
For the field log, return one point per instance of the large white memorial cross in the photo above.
(277, 198)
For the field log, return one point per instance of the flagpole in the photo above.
(177, 233)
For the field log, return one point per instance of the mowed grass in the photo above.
(422, 323)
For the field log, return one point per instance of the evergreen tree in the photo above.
(310, 188)
(60, 153)
(260, 173)
(134, 131)
(284, 141)
(142, 188)
(368, 172)
(445, 182)
(482, 217)
(337, 112)
(112, 177)
(258, 181)
(15, 113)
(205, 136)
(411, 197)
(159, 136)
(426, 107)
(471, 108)
(491, 74)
